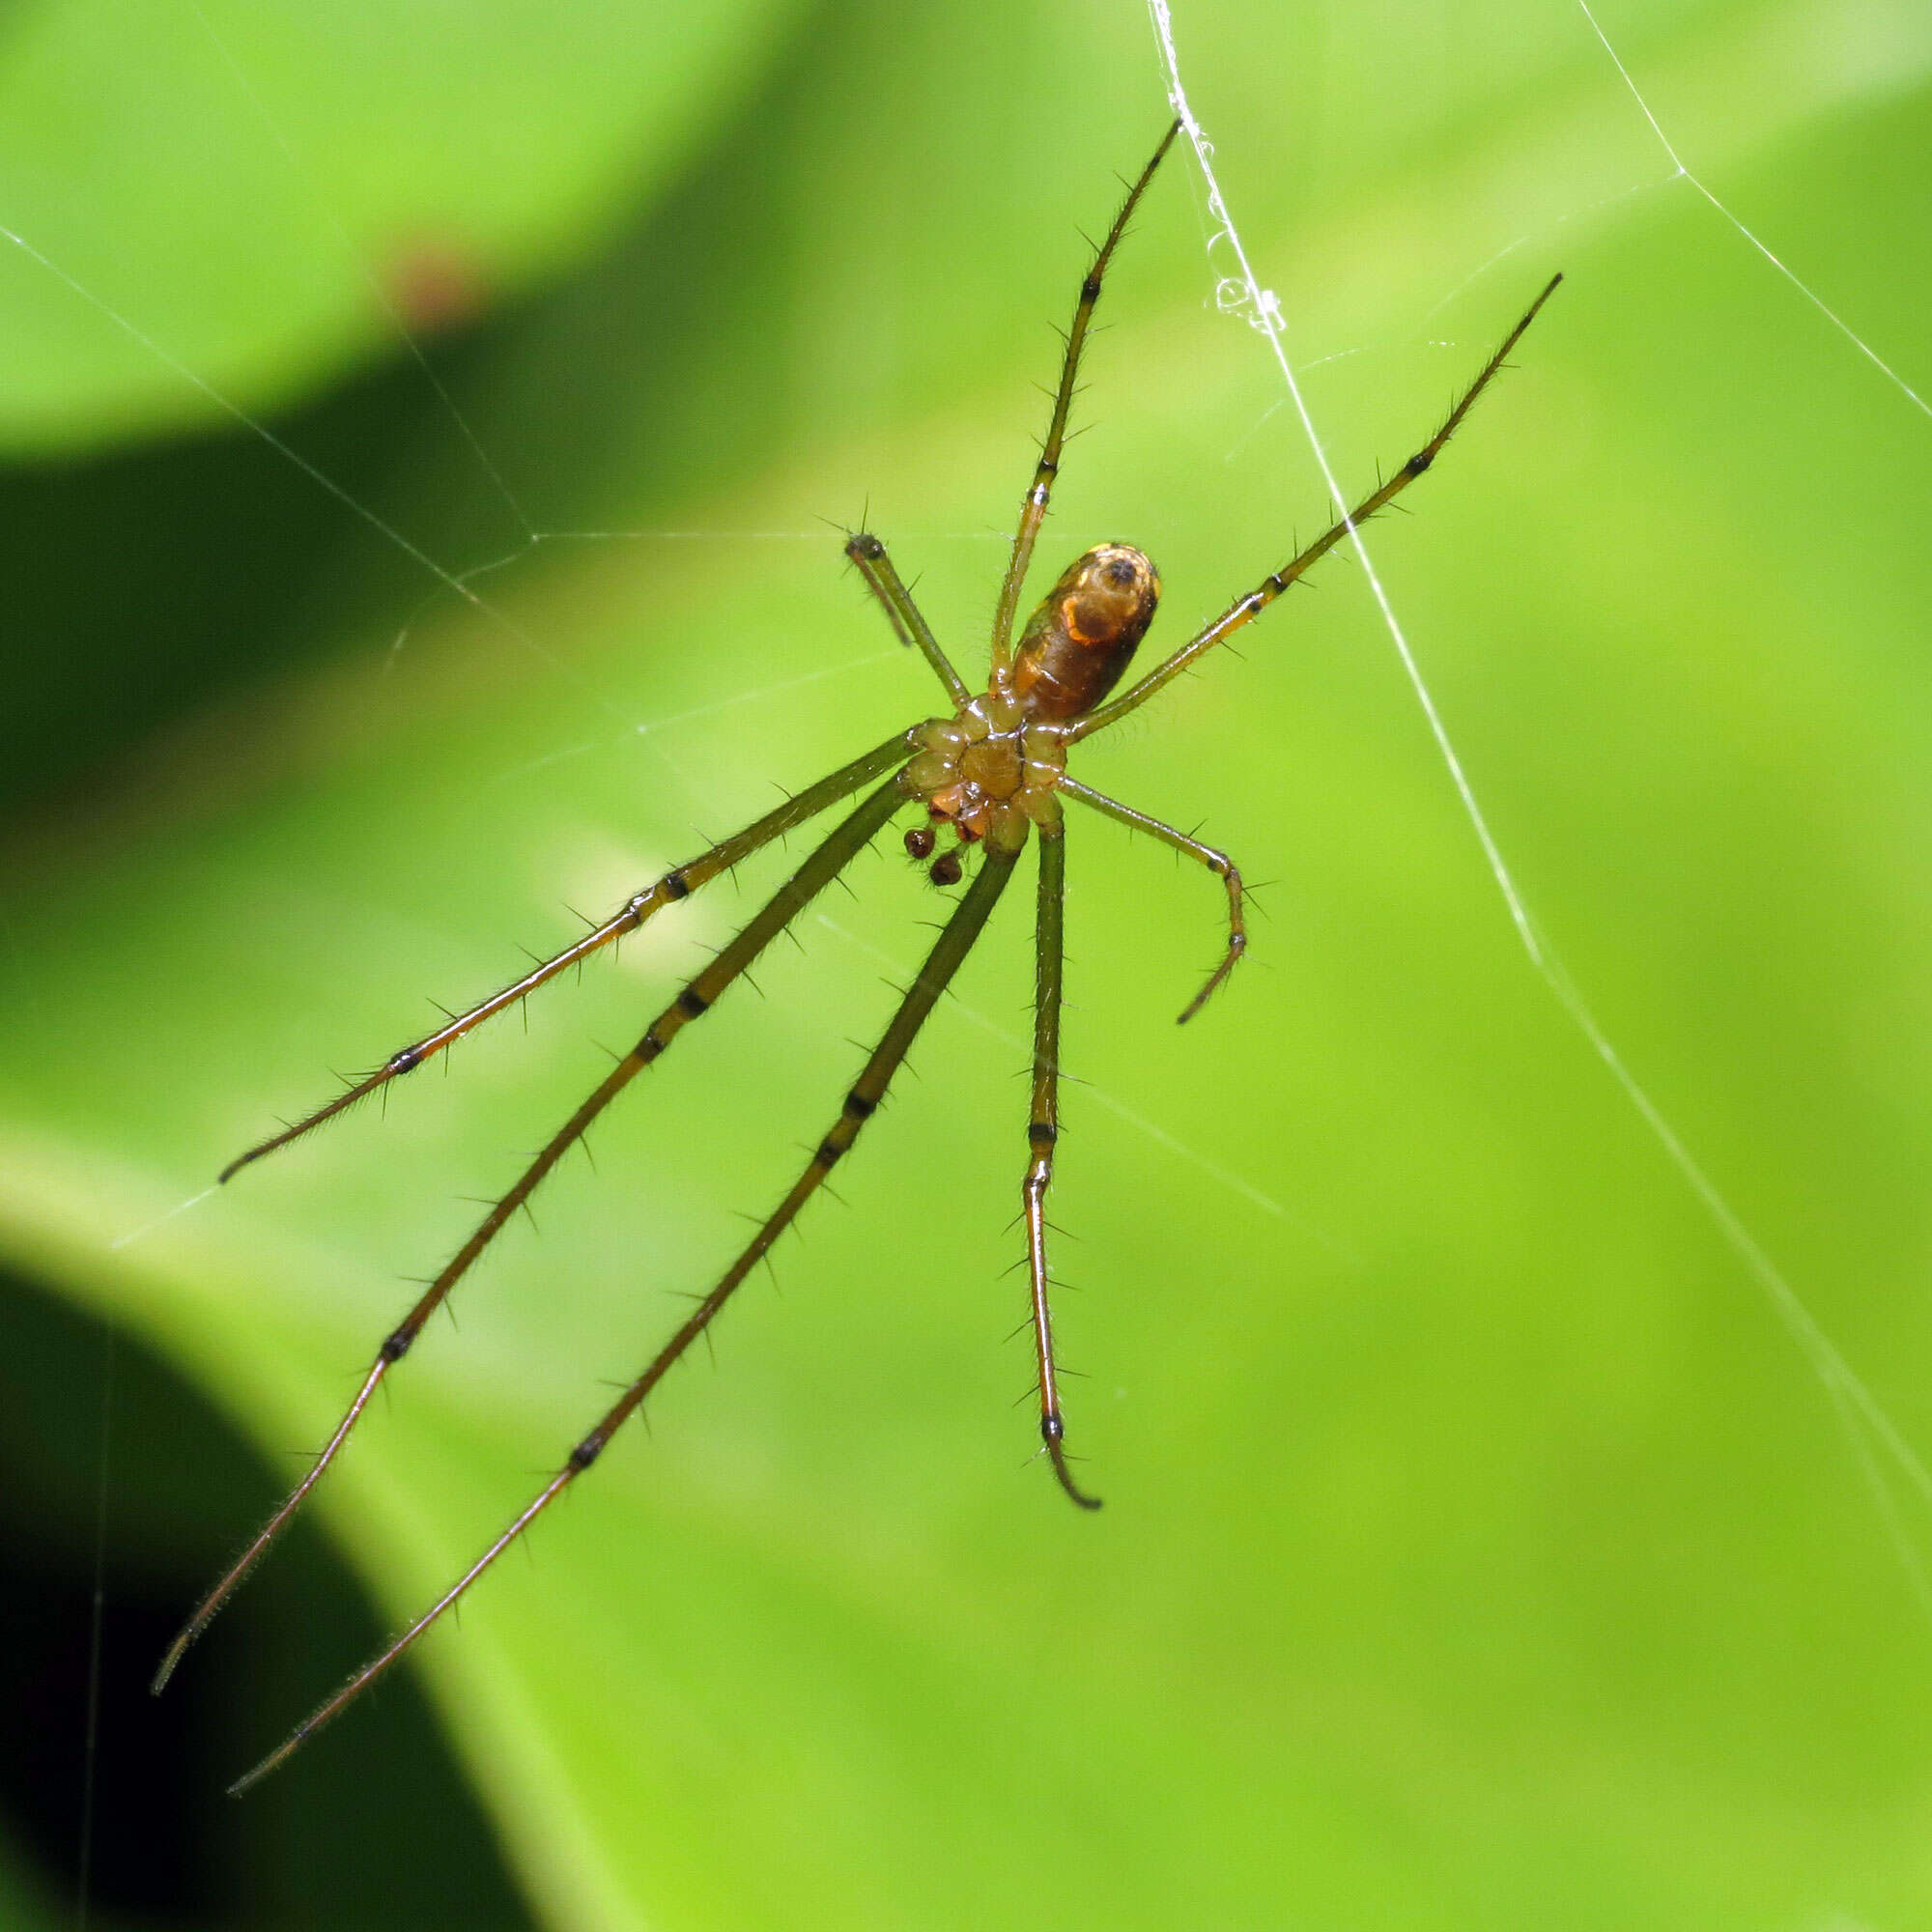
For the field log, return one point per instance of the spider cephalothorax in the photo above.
(995, 766)
(994, 769)
(989, 771)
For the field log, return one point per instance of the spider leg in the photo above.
(678, 884)
(1033, 505)
(1218, 863)
(1246, 609)
(954, 941)
(868, 553)
(825, 864)
(1043, 1131)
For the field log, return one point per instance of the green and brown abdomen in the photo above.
(1083, 632)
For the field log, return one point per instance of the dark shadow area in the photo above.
(143, 584)
(373, 1827)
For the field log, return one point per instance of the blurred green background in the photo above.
(1480, 1551)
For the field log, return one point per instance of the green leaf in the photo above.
(1480, 1550)
(269, 196)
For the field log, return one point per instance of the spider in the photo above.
(990, 774)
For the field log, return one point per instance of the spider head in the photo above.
(1079, 640)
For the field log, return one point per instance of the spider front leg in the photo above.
(1245, 609)
(1042, 1132)
(677, 884)
(1033, 505)
(1218, 863)
(869, 555)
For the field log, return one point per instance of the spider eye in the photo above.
(1079, 640)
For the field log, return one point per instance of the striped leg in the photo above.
(1033, 505)
(1244, 609)
(675, 885)
(968, 918)
(831, 858)
(1043, 1131)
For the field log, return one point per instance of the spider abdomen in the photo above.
(1083, 632)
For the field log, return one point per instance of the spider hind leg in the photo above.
(824, 863)
(679, 883)
(1043, 1135)
(949, 951)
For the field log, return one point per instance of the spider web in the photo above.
(1874, 1438)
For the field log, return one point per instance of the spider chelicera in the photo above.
(991, 773)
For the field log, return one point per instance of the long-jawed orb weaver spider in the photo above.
(992, 773)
